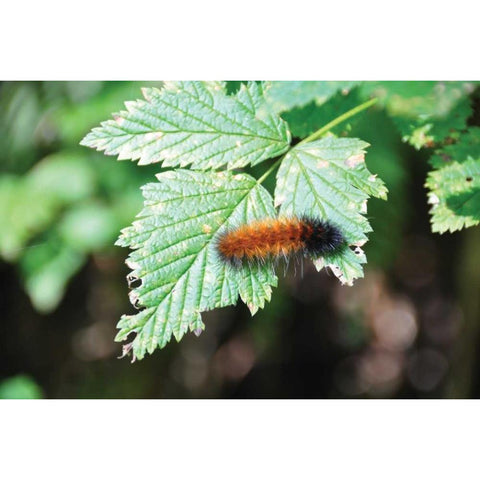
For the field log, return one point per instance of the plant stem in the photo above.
(322, 131)
(345, 116)
(271, 169)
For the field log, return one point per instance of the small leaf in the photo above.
(454, 188)
(194, 123)
(176, 259)
(328, 179)
(24, 212)
(424, 112)
(468, 145)
(47, 269)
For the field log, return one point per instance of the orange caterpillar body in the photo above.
(276, 238)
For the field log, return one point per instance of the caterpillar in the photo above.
(274, 238)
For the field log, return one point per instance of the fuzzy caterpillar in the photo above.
(274, 238)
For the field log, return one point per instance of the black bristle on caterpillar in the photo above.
(325, 237)
(274, 238)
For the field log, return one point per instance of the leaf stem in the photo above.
(345, 116)
(271, 169)
(322, 131)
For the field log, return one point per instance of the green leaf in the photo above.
(20, 387)
(194, 123)
(23, 213)
(73, 120)
(175, 256)
(283, 96)
(303, 121)
(427, 130)
(328, 178)
(424, 112)
(67, 175)
(454, 187)
(46, 269)
(388, 158)
(468, 145)
(20, 116)
(30, 203)
(89, 226)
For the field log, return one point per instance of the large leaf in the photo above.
(454, 187)
(175, 256)
(328, 179)
(194, 123)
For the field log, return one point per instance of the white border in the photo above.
(244, 40)
(239, 439)
(212, 39)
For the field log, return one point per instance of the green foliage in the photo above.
(387, 156)
(24, 212)
(175, 255)
(20, 114)
(283, 96)
(70, 203)
(454, 186)
(174, 236)
(20, 387)
(305, 120)
(425, 113)
(329, 178)
(60, 204)
(194, 123)
(46, 269)
(73, 119)
(436, 114)
(56, 215)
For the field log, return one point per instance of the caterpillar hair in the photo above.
(274, 238)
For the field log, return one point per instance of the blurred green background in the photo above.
(409, 329)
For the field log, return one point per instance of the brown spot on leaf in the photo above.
(355, 160)
(322, 164)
